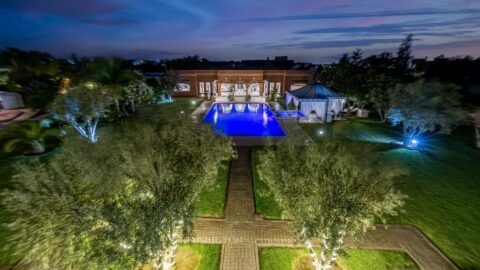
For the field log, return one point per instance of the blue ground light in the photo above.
(243, 119)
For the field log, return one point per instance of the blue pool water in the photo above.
(290, 114)
(243, 119)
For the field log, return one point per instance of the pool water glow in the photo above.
(243, 119)
(288, 114)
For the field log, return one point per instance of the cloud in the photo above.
(419, 28)
(455, 44)
(110, 22)
(145, 53)
(336, 15)
(67, 8)
(323, 44)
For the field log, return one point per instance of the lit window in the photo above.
(255, 89)
(207, 87)
(272, 85)
(183, 87)
(202, 88)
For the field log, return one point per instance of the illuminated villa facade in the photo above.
(221, 83)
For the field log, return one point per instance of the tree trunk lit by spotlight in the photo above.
(117, 204)
(331, 191)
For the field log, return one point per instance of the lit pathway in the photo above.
(241, 233)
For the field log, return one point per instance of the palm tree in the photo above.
(111, 74)
(30, 137)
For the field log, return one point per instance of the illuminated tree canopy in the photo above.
(82, 108)
(331, 191)
(425, 107)
(117, 204)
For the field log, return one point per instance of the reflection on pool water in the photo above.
(291, 114)
(243, 119)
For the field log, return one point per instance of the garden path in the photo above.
(242, 232)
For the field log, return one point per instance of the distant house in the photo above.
(11, 100)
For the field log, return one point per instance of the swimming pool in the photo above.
(290, 114)
(243, 119)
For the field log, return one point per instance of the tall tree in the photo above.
(82, 108)
(424, 106)
(331, 191)
(136, 91)
(403, 61)
(378, 86)
(178, 162)
(96, 217)
(347, 77)
(111, 74)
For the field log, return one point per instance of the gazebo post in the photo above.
(326, 110)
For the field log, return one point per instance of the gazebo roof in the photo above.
(314, 91)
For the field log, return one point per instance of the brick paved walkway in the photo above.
(241, 234)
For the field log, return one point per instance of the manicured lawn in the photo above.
(356, 259)
(208, 255)
(166, 111)
(443, 184)
(211, 202)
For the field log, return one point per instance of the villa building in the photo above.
(221, 79)
(239, 83)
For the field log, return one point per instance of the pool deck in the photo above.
(290, 126)
(201, 110)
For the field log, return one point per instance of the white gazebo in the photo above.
(317, 98)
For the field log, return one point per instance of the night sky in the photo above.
(305, 30)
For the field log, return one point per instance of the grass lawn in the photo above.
(165, 111)
(356, 259)
(211, 202)
(208, 255)
(443, 184)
